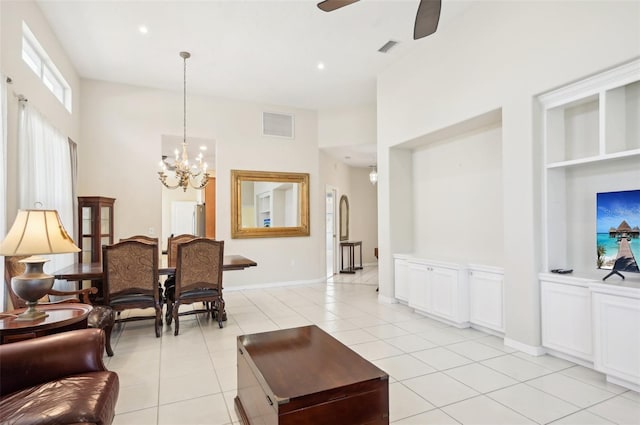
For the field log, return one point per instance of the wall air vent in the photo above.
(278, 125)
(387, 46)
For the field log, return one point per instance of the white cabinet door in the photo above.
(419, 287)
(401, 280)
(486, 293)
(617, 336)
(443, 289)
(566, 319)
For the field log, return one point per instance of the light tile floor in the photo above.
(438, 374)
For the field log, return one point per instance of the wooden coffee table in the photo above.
(61, 318)
(305, 376)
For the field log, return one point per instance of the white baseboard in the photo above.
(275, 284)
(489, 331)
(386, 300)
(532, 350)
(624, 383)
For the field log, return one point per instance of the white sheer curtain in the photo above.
(3, 177)
(44, 175)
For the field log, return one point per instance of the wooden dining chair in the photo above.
(141, 238)
(130, 271)
(172, 247)
(198, 278)
(172, 252)
(100, 317)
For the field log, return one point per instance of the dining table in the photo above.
(79, 272)
(93, 271)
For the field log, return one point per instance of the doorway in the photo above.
(183, 217)
(330, 230)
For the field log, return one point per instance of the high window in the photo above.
(36, 57)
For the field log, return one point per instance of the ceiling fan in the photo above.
(426, 19)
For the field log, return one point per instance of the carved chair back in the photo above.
(130, 280)
(199, 265)
(198, 278)
(130, 267)
(140, 238)
(172, 247)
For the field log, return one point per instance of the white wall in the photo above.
(354, 127)
(458, 198)
(347, 126)
(121, 134)
(497, 55)
(363, 213)
(27, 83)
(363, 208)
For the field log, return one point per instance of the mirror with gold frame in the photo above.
(267, 204)
(344, 218)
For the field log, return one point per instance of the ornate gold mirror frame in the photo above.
(344, 218)
(267, 204)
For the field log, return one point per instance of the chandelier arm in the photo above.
(163, 180)
(203, 182)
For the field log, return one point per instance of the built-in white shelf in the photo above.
(590, 144)
(575, 162)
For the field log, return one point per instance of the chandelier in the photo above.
(373, 175)
(186, 174)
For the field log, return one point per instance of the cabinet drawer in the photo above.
(367, 408)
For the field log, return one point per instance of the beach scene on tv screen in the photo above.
(618, 230)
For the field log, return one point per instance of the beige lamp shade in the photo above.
(37, 232)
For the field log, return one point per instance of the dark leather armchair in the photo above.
(57, 379)
(101, 316)
(198, 278)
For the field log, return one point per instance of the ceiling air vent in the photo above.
(278, 125)
(387, 46)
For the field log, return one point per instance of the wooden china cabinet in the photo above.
(95, 215)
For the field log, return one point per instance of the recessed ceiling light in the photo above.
(143, 29)
(320, 65)
(203, 148)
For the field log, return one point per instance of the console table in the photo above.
(351, 256)
(305, 376)
(60, 318)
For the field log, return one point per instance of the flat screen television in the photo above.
(618, 231)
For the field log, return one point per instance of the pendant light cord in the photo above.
(184, 81)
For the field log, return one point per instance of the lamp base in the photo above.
(31, 314)
(32, 285)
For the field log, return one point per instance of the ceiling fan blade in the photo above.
(330, 5)
(427, 18)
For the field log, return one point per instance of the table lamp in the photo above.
(35, 232)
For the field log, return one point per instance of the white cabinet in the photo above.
(419, 297)
(486, 297)
(439, 289)
(444, 291)
(566, 317)
(401, 279)
(617, 338)
(594, 321)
